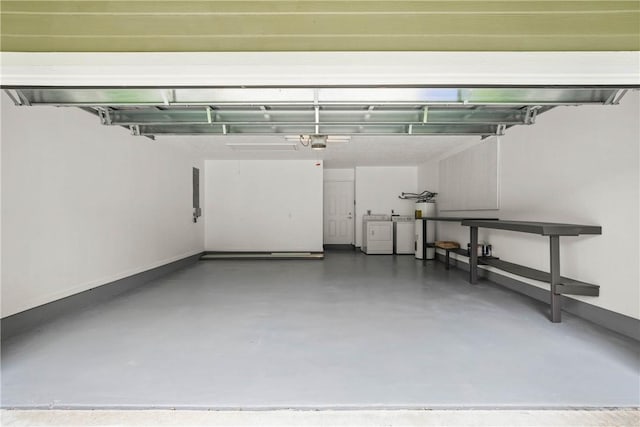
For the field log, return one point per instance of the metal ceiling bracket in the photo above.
(615, 98)
(224, 129)
(531, 113)
(266, 115)
(410, 131)
(135, 130)
(425, 114)
(165, 97)
(534, 115)
(103, 119)
(23, 98)
(168, 96)
(107, 116)
(11, 93)
(367, 116)
(534, 110)
(209, 114)
(500, 129)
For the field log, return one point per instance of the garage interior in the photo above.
(208, 206)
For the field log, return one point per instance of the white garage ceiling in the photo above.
(361, 150)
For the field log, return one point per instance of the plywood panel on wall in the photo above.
(469, 180)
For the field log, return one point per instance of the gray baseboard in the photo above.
(339, 247)
(34, 317)
(252, 256)
(617, 322)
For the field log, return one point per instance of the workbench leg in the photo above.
(424, 239)
(556, 299)
(446, 265)
(473, 256)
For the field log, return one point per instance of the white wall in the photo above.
(575, 165)
(469, 179)
(346, 174)
(429, 176)
(378, 188)
(263, 206)
(85, 204)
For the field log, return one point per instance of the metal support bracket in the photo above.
(531, 114)
(23, 99)
(14, 96)
(615, 98)
(106, 116)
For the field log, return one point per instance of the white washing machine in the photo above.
(377, 234)
(403, 235)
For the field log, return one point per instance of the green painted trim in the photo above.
(190, 26)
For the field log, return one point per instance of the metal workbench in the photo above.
(559, 285)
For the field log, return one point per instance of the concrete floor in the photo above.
(333, 418)
(351, 331)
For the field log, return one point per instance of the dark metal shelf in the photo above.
(559, 285)
(542, 228)
(453, 218)
(566, 286)
(460, 251)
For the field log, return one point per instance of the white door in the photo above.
(338, 212)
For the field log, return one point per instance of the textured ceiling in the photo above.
(360, 151)
(356, 25)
